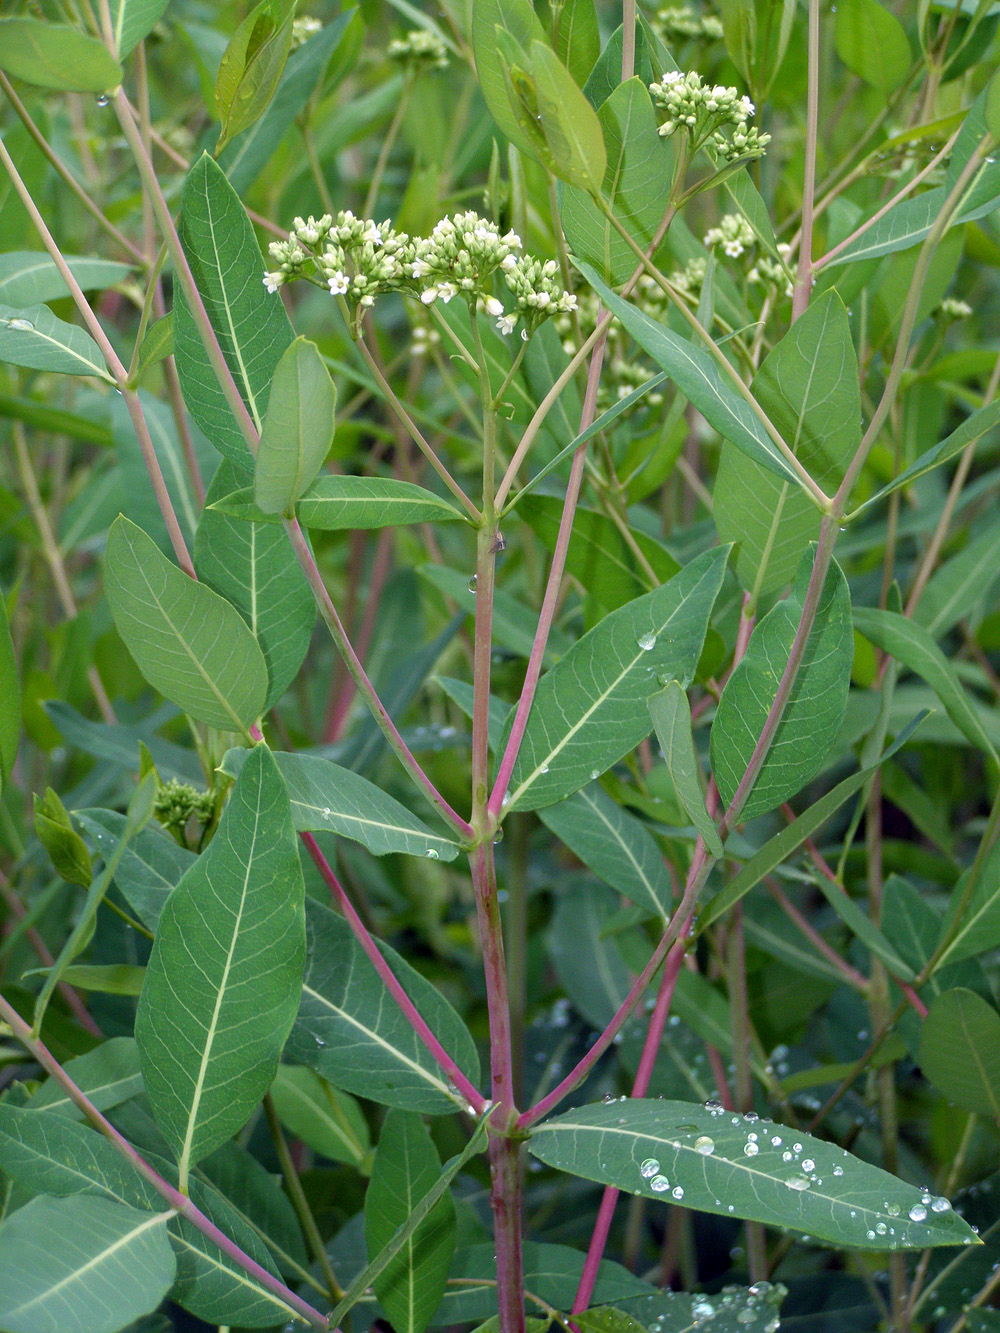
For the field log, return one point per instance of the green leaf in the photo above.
(872, 43)
(53, 55)
(246, 154)
(254, 567)
(735, 1309)
(637, 164)
(132, 20)
(960, 1050)
(815, 707)
(66, 849)
(513, 623)
(747, 1168)
(698, 378)
(298, 428)
(223, 980)
(326, 796)
(251, 325)
(909, 222)
(979, 928)
(330, 1122)
(783, 844)
(108, 1075)
(591, 708)
(111, 1265)
(107, 978)
(406, 1168)
(671, 715)
(250, 1189)
(188, 642)
(578, 38)
(614, 845)
(49, 1154)
(150, 868)
(572, 130)
(959, 584)
(251, 66)
(517, 18)
(587, 959)
(418, 1213)
(32, 337)
(157, 344)
(30, 277)
(350, 503)
(991, 107)
(973, 428)
(351, 1032)
(857, 920)
(912, 645)
(10, 698)
(808, 386)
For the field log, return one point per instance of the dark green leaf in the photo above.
(960, 1050)
(815, 708)
(53, 55)
(746, 1167)
(152, 864)
(108, 1075)
(671, 716)
(298, 428)
(223, 980)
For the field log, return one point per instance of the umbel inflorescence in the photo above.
(711, 117)
(465, 256)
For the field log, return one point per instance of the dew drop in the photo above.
(431, 854)
(838, 1170)
(892, 1209)
(776, 1141)
(786, 1156)
(473, 583)
(650, 1167)
(646, 642)
(678, 1192)
(940, 1205)
(797, 1183)
(660, 1184)
(918, 1213)
(750, 1149)
(808, 1164)
(881, 1228)
(870, 1234)
(704, 1145)
(21, 325)
(103, 100)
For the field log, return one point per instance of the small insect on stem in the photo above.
(499, 544)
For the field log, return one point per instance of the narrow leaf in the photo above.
(745, 1167)
(187, 641)
(591, 708)
(298, 428)
(223, 980)
(329, 1121)
(960, 1050)
(406, 1168)
(30, 277)
(108, 1075)
(352, 1032)
(347, 503)
(32, 337)
(111, 1265)
(10, 698)
(671, 715)
(815, 707)
(326, 796)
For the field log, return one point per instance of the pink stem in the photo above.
(179, 1202)
(406, 1005)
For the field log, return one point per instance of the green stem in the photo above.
(388, 143)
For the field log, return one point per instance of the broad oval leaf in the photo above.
(54, 55)
(591, 708)
(872, 43)
(189, 643)
(346, 503)
(749, 1168)
(351, 1032)
(112, 1264)
(572, 130)
(251, 325)
(518, 19)
(960, 1050)
(808, 386)
(815, 707)
(254, 567)
(31, 336)
(614, 845)
(224, 977)
(30, 277)
(298, 428)
(406, 1168)
(326, 796)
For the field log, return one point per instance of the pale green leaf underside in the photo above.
(32, 337)
(329, 1121)
(351, 1031)
(591, 708)
(224, 977)
(337, 504)
(818, 1188)
(326, 796)
(187, 641)
(81, 1265)
(671, 716)
(30, 277)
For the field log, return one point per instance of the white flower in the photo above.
(747, 107)
(506, 323)
(339, 283)
(493, 307)
(419, 267)
(272, 281)
(509, 262)
(429, 295)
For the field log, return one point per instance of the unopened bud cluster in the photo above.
(463, 256)
(675, 21)
(419, 50)
(951, 309)
(176, 802)
(769, 273)
(734, 234)
(714, 116)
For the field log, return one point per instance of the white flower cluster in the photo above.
(951, 309)
(419, 50)
(537, 294)
(302, 30)
(360, 259)
(769, 273)
(682, 21)
(688, 280)
(733, 233)
(715, 116)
